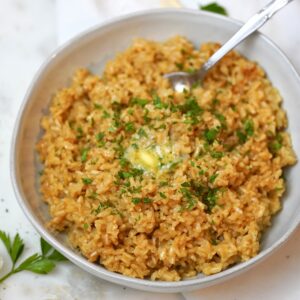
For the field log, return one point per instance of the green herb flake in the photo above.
(158, 103)
(179, 66)
(139, 102)
(163, 183)
(213, 177)
(86, 180)
(217, 154)
(84, 153)
(191, 201)
(85, 226)
(105, 115)
(210, 135)
(79, 132)
(124, 162)
(163, 195)
(276, 144)
(93, 195)
(221, 118)
(101, 207)
(97, 106)
(147, 200)
(201, 172)
(136, 200)
(249, 127)
(215, 102)
(142, 133)
(129, 127)
(214, 7)
(100, 136)
(210, 199)
(241, 136)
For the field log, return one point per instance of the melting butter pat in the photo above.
(146, 158)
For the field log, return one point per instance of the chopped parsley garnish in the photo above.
(186, 184)
(130, 173)
(105, 115)
(215, 8)
(124, 162)
(249, 127)
(201, 172)
(100, 136)
(179, 66)
(163, 195)
(136, 200)
(139, 101)
(276, 144)
(142, 133)
(93, 195)
(216, 154)
(84, 153)
(158, 103)
(101, 207)
(85, 226)
(129, 127)
(79, 133)
(163, 183)
(215, 102)
(145, 200)
(210, 199)
(211, 134)
(242, 136)
(222, 119)
(97, 106)
(87, 180)
(189, 198)
(191, 109)
(247, 131)
(135, 146)
(213, 177)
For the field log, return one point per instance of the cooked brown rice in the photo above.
(155, 184)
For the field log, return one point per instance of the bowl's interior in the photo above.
(95, 48)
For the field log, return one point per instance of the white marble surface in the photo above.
(29, 31)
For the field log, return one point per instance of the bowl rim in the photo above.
(83, 263)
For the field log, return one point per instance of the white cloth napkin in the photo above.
(74, 16)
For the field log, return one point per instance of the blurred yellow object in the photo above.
(170, 3)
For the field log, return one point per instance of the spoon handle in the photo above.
(247, 29)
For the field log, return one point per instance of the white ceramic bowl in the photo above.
(92, 49)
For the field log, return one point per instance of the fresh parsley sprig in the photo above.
(215, 8)
(37, 263)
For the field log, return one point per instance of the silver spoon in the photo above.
(181, 81)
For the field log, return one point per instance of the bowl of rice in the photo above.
(153, 189)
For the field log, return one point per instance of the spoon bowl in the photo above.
(181, 81)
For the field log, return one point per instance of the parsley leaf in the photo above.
(249, 127)
(86, 180)
(84, 153)
(158, 103)
(145, 200)
(276, 144)
(129, 127)
(139, 101)
(210, 199)
(213, 177)
(215, 8)
(37, 263)
(210, 135)
(142, 133)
